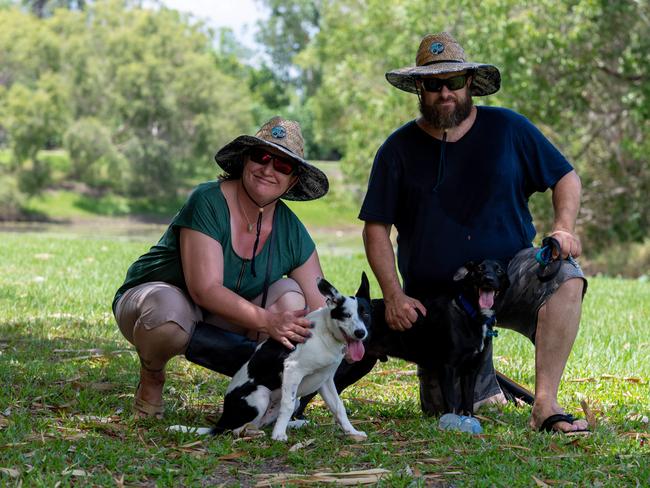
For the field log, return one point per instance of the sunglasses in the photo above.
(436, 84)
(281, 165)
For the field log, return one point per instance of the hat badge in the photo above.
(436, 48)
(278, 132)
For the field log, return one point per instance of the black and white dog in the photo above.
(452, 339)
(268, 386)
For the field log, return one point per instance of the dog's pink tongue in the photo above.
(355, 350)
(486, 298)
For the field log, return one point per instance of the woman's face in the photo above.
(264, 174)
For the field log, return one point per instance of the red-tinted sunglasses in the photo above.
(281, 165)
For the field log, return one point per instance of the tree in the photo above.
(147, 83)
(577, 69)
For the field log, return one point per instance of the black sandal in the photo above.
(547, 425)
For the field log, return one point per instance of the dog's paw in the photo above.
(357, 435)
(279, 436)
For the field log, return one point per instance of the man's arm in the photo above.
(400, 309)
(566, 203)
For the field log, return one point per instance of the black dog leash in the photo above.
(549, 267)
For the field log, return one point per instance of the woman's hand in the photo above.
(286, 327)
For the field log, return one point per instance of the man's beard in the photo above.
(445, 119)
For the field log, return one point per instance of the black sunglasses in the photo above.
(436, 84)
(263, 157)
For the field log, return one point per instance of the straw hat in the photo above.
(440, 53)
(285, 136)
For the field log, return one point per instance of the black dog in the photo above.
(452, 339)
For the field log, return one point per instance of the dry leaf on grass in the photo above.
(97, 386)
(232, 456)
(75, 472)
(541, 483)
(490, 419)
(398, 372)
(350, 478)
(435, 460)
(514, 446)
(119, 482)
(637, 417)
(11, 472)
(638, 435)
(99, 355)
(301, 445)
(100, 420)
(589, 415)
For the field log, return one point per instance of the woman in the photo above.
(213, 285)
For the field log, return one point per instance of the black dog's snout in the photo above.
(359, 333)
(490, 281)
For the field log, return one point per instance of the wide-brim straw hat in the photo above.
(285, 136)
(438, 54)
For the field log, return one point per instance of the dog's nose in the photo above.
(359, 333)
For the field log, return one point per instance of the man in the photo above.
(455, 183)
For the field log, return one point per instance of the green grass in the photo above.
(67, 378)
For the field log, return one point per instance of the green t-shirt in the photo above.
(206, 211)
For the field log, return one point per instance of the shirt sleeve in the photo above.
(381, 200)
(204, 212)
(544, 164)
(305, 245)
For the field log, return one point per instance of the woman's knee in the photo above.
(286, 294)
(157, 345)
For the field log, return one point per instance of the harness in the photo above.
(489, 322)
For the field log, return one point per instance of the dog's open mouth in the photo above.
(356, 349)
(486, 298)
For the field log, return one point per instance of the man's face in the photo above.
(446, 108)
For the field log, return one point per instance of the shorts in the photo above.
(155, 303)
(517, 311)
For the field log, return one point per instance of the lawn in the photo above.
(67, 379)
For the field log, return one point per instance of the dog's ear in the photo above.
(329, 292)
(461, 273)
(364, 288)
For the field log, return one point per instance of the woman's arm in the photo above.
(202, 259)
(306, 275)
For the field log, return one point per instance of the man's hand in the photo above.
(401, 311)
(569, 243)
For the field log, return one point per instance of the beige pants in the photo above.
(152, 304)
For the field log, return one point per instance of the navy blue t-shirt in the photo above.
(478, 209)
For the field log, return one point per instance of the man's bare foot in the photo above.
(546, 415)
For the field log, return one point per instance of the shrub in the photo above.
(11, 198)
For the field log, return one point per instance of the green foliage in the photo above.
(146, 85)
(11, 198)
(34, 176)
(576, 69)
(95, 160)
(34, 117)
